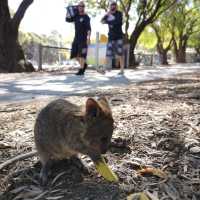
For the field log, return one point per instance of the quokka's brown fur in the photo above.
(63, 130)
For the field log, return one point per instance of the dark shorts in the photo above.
(79, 50)
(114, 47)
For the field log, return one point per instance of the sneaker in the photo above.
(85, 67)
(121, 73)
(80, 72)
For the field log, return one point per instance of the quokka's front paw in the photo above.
(79, 164)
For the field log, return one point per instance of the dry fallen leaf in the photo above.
(40, 195)
(55, 198)
(156, 172)
(4, 145)
(17, 190)
(138, 196)
(152, 196)
(195, 150)
(57, 177)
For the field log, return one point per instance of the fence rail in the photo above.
(41, 47)
(96, 53)
(97, 57)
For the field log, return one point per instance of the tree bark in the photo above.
(12, 57)
(180, 50)
(163, 56)
(133, 42)
(180, 55)
(197, 49)
(162, 51)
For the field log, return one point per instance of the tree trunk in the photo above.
(162, 52)
(133, 42)
(197, 49)
(180, 55)
(11, 54)
(163, 58)
(180, 49)
(10, 51)
(132, 59)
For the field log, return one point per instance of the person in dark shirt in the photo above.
(114, 20)
(81, 38)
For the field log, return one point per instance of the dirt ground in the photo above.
(155, 147)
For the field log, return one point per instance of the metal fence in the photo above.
(49, 56)
(59, 55)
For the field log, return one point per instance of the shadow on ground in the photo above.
(67, 181)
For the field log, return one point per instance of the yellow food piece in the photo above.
(105, 171)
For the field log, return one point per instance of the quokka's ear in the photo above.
(92, 108)
(103, 102)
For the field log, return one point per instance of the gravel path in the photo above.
(23, 87)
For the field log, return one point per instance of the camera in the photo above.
(72, 11)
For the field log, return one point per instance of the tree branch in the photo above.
(169, 45)
(155, 11)
(17, 158)
(123, 7)
(166, 7)
(156, 30)
(4, 10)
(21, 12)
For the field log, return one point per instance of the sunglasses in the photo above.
(81, 6)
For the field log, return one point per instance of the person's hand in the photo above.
(108, 13)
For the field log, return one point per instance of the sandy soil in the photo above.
(157, 126)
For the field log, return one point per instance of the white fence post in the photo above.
(97, 50)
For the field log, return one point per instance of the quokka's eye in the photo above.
(104, 139)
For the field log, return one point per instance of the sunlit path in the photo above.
(21, 87)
